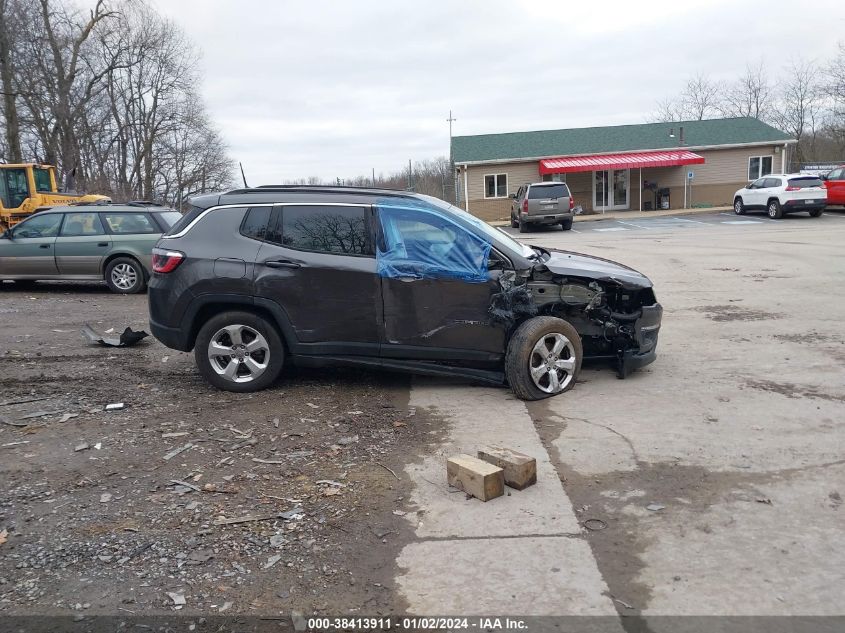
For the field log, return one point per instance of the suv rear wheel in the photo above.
(774, 210)
(566, 225)
(543, 358)
(239, 351)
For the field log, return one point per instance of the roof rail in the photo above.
(320, 188)
(142, 203)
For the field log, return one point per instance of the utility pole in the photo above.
(452, 119)
(374, 177)
(410, 182)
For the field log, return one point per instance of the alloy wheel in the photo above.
(124, 276)
(239, 353)
(552, 363)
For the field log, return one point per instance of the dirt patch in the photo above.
(791, 390)
(807, 337)
(100, 522)
(735, 313)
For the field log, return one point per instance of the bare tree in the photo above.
(668, 111)
(9, 31)
(798, 111)
(749, 96)
(699, 99)
(835, 92)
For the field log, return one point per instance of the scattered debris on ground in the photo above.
(161, 507)
(127, 338)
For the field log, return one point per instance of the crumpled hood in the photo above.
(578, 265)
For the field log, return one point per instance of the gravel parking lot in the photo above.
(718, 471)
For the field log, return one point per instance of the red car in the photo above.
(835, 183)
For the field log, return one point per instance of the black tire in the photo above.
(520, 356)
(524, 227)
(514, 222)
(125, 276)
(739, 207)
(774, 209)
(815, 213)
(249, 321)
(566, 225)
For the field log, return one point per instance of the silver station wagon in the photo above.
(110, 242)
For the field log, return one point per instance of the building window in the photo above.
(496, 186)
(759, 166)
(554, 177)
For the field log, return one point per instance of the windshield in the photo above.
(497, 237)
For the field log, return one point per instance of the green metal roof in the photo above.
(616, 138)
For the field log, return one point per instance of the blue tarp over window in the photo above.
(423, 242)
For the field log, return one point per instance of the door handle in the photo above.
(44, 245)
(102, 243)
(282, 263)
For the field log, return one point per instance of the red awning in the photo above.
(628, 160)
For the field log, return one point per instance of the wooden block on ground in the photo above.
(520, 470)
(475, 477)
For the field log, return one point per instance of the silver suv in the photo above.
(542, 204)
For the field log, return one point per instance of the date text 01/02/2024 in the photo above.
(416, 623)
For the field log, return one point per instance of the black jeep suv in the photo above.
(254, 278)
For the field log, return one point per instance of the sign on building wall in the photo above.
(819, 169)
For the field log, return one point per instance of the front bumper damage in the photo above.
(644, 351)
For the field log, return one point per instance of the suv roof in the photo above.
(293, 193)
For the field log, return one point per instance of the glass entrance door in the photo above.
(611, 189)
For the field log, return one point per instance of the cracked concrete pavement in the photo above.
(737, 429)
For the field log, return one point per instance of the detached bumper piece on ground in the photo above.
(127, 338)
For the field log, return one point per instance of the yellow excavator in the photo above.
(29, 187)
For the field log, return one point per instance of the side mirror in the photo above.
(822, 176)
(512, 196)
(6, 235)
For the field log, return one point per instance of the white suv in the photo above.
(782, 193)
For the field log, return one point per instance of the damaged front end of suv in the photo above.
(612, 307)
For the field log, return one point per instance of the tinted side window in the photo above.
(339, 230)
(168, 218)
(42, 180)
(255, 223)
(189, 216)
(130, 223)
(772, 182)
(39, 226)
(78, 224)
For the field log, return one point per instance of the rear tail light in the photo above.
(165, 261)
(525, 206)
(571, 203)
(793, 188)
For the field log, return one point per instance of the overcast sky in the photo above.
(331, 88)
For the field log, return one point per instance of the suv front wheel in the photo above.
(239, 351)
(543, 358)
